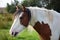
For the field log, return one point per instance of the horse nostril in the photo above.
(21, 17)
(15, 33)
(12, 33)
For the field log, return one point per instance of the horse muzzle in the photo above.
(14, 33)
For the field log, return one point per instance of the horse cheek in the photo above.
(24, 21)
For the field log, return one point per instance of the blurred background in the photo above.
(7, 9)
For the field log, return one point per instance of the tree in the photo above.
(16, 2)
(49, 4)
(8, 7)
(12, 8)
(39, 3)
(31, 3)
(26, 3)
(55, 4)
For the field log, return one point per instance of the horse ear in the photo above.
(23, 8)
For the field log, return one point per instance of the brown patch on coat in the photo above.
(43, 30)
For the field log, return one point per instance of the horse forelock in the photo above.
(17, 12)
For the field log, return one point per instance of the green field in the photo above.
(5, 24)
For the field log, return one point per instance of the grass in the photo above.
(5, 21)
(5, 24)
(27, 35)
(24, 35)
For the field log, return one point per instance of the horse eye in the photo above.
(21, 17)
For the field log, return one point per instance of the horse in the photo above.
(45, 22)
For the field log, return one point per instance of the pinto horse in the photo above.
(45, 22)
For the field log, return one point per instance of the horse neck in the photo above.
(37, 15)
(38, 18)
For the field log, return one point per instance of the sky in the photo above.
(3, 2)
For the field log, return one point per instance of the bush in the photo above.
(5, 21)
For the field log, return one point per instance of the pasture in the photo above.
(5, 24)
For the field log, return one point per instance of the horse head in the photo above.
(21, 21)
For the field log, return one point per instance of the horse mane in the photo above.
(28, 13)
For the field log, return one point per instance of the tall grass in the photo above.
(5, 21)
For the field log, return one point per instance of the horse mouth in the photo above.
(14, 34)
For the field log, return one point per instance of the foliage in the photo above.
(12, 8)
(49, 4)
(4, 35)
(26, 3)
(54, 4)
(5, 21)
(8, 7)
(16, 2)
(34, 2)
(30, 3)
(39, 3)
